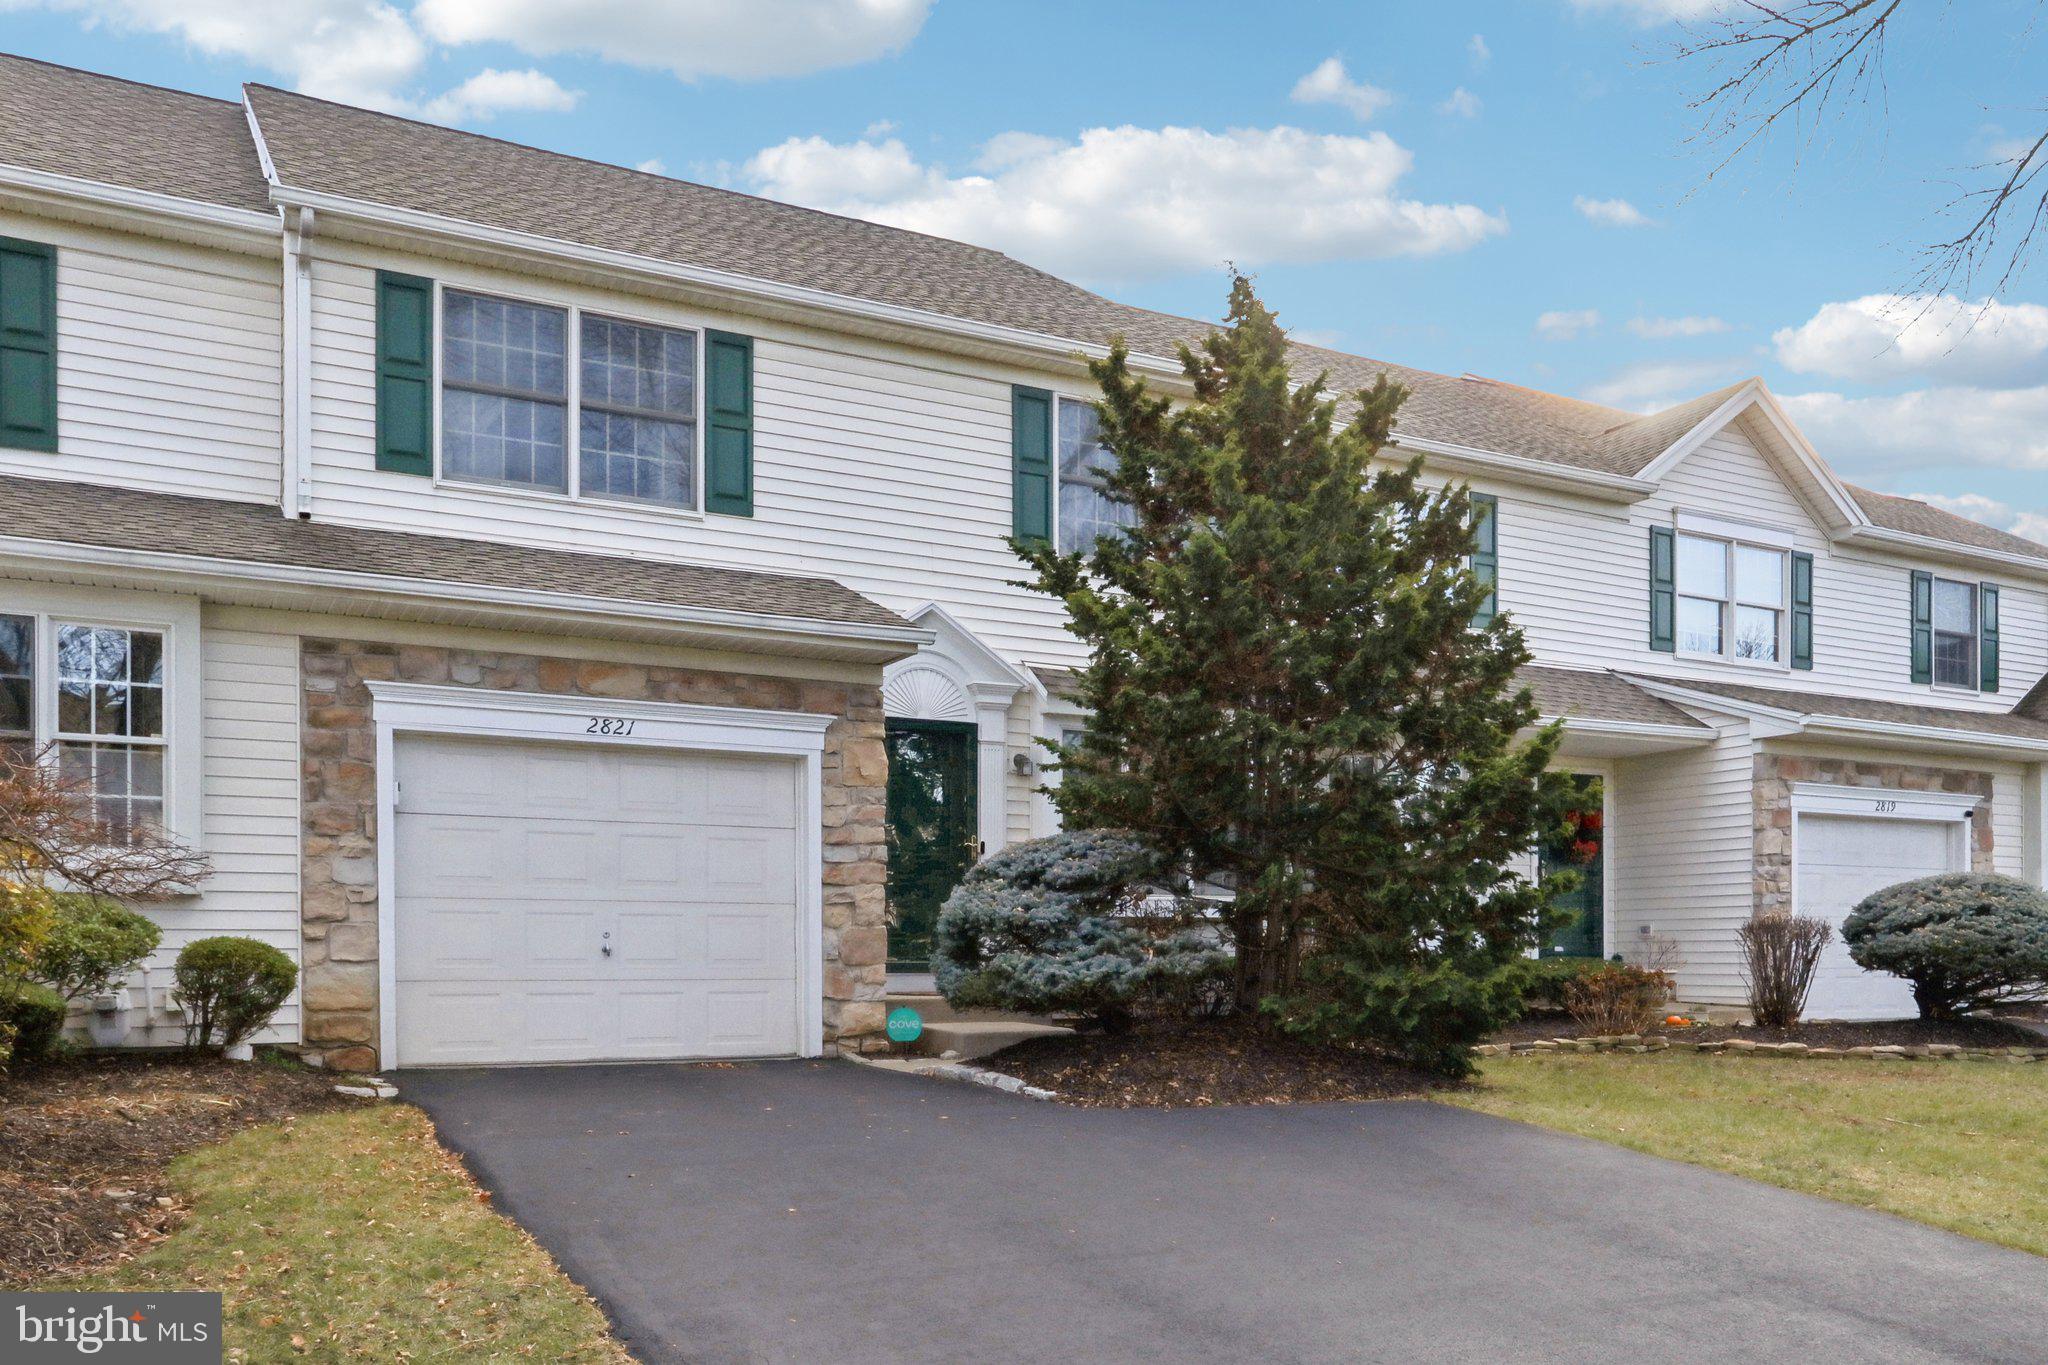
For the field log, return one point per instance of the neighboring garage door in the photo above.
(585, 902)
(1842, 859)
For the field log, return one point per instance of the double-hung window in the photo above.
(1086, 510)
(96, 695)
(1731, 599)
(1955, 633)
(624, 430)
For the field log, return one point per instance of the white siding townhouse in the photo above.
(561, 600)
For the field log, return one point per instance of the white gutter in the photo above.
(1038, 344)
(243, 228)
(741, 625)
(1632, 729)
(1951, 550)
(1820, 724)
(1590, 482)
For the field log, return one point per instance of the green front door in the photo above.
(1584, 851)
(932, 830)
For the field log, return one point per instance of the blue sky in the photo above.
(1502, 188)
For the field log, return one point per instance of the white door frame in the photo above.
(416, 708)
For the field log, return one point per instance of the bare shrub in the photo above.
(1779, 956)
(1618, 999)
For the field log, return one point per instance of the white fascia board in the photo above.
(121, 206)
(1633, 729)
(884, 641)
(1770, 722)
(1037, 346)
(1592, 483)
(1765, 721)
(1948, 551)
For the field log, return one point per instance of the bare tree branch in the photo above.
(1805, 63)
(50, 834)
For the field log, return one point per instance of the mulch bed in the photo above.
(84, 1146)
(1886, 1033)
(1225, 1061)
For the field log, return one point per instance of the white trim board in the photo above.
(1816, 798)
(418, 708)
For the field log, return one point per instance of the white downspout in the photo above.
(297, 489)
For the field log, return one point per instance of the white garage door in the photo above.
(1842, 859)
(582, 902)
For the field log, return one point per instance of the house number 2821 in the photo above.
(608, 725)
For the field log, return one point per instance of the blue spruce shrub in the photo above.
(1966, 940)
(1063, 926)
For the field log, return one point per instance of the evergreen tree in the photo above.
(1288, 691)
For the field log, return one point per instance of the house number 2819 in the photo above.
(608, 725)
(1886, 806)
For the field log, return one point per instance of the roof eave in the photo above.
(143, 211)
(430, 599)
(1592, 483)
(1779, 722)
(750, 293)
(1884, 536)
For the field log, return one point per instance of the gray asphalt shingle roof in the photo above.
(116, 132)
(255, 533)
(2005, 723)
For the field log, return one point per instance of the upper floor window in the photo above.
(1955, 633)
(1731, 599)
(507, 395)
(1086, 510)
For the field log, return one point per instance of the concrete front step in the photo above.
(970, 1038)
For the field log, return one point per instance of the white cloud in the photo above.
(1611, 212)
(881, 127)
(653, 165)
(1329, 83)
(740, 39)
(1882, 337)
(491, 92)
(356, 51)
(1992, 512)
(1651, 12)
(1480, 55)
(1652, 386)
(1928, 428)
(1664, 329)
(1567, 325)
(1329, 338)
(1461, 103)
(1129, 203)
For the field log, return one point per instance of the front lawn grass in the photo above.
(1956, 1144)
(355, 1235)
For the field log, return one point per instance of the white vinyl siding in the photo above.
(1575, 575)
(249, 820)
(875, 466)
(168, 366)
(1681, 858)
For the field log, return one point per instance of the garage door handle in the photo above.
(607, 950)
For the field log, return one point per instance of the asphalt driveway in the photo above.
(795, 1211)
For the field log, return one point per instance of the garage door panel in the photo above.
(1841, 860)
(517, 864)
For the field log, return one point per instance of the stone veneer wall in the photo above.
(1775, 774)
(338, 889)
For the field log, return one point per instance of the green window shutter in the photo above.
(1486, 554)
(405, 374)
(28, 345)
(1802, 610)
(1923, 626)
(1030, 464)
(729, 419)
(1987, 636)
(1664, 589)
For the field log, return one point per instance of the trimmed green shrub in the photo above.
(229, 987)
(1061, 926)
(34, 1015)
(1427, 1012)
(1966, 940)
(1548, 976)
(93, 945)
